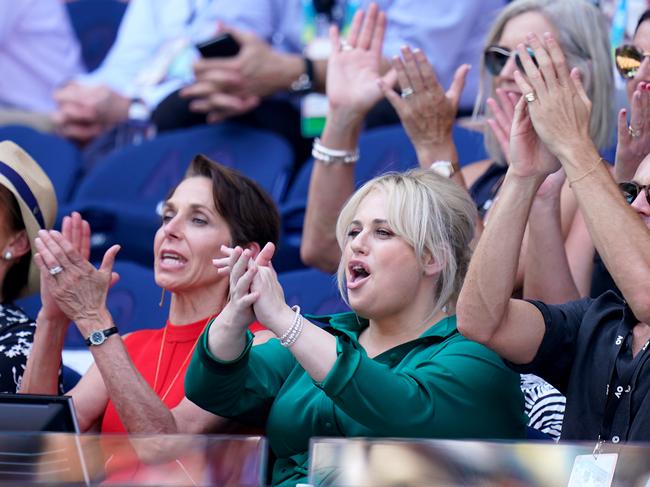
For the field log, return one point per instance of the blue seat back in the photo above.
(314, 291)
(60, 160)
(95, 23)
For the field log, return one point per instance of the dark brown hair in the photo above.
(250, 212)
(18, 274)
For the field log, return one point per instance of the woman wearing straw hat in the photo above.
(27, 205)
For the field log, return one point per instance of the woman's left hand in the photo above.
(78, 289)
(559, 107)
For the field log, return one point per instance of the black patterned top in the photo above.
(16, 337)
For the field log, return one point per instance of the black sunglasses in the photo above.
(496, 57)
(628, 60)
(631, 190)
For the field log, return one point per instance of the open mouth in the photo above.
(171, 259)
(357, 274)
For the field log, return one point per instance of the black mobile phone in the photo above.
(224, 45)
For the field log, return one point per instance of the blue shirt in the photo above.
(450, 33)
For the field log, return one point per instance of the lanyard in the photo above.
(617, 388)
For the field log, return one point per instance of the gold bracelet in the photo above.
(588, 171)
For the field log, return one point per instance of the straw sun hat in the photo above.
(33, 190)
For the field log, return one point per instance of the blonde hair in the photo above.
(432, 214)
(583, 37)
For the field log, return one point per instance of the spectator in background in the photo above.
(151, 57)
(136, 382)
(27, 205)
(593, 350)
(38, 53)
(285, 55)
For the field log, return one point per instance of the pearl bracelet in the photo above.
(333, 156)
(290, 336)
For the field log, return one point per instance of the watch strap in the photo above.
(97, 337)
(305, 82)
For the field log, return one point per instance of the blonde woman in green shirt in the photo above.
(395, 367)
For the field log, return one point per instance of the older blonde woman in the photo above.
(395, 366)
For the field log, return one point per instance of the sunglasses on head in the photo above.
(631, 190)
(496, 57)
(628, 60)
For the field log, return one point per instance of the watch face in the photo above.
(97, 337)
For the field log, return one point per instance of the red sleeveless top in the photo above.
(144, 348)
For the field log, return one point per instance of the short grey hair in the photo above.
(583, 37)
(433, 215)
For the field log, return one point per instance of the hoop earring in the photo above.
(8, 255)
(162, 298)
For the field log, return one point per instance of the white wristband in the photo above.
(333, 156)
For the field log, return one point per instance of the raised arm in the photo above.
(486, 313)
(80, 291)
(44, 362)
(560, 114)
(353, 70)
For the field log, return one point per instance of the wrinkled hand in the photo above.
(428, 115)
(562, 109)
(80, 289)
(355, 65)
(630, 151)
(77, 231)
(84, 112)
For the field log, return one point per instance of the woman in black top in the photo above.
(27, 205)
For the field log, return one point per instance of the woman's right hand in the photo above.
(634, 139)
(428, 113)
(79, 289)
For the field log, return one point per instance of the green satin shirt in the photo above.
(440, 385)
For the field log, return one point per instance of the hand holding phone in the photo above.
(224, 45)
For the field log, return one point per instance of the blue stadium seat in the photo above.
(95, 23)
(469, 145)
(315, 291)
(120, 195)
(60, 160)
(132, 301)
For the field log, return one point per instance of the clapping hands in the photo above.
(255, 292)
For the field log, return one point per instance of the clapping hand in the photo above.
(355, 65)
(558, 105)
(71, 284)
(633, 139)
(427, 112)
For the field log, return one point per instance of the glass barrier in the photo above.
(110, 459)
(445, 463)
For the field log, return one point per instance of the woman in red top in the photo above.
(136, 383)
